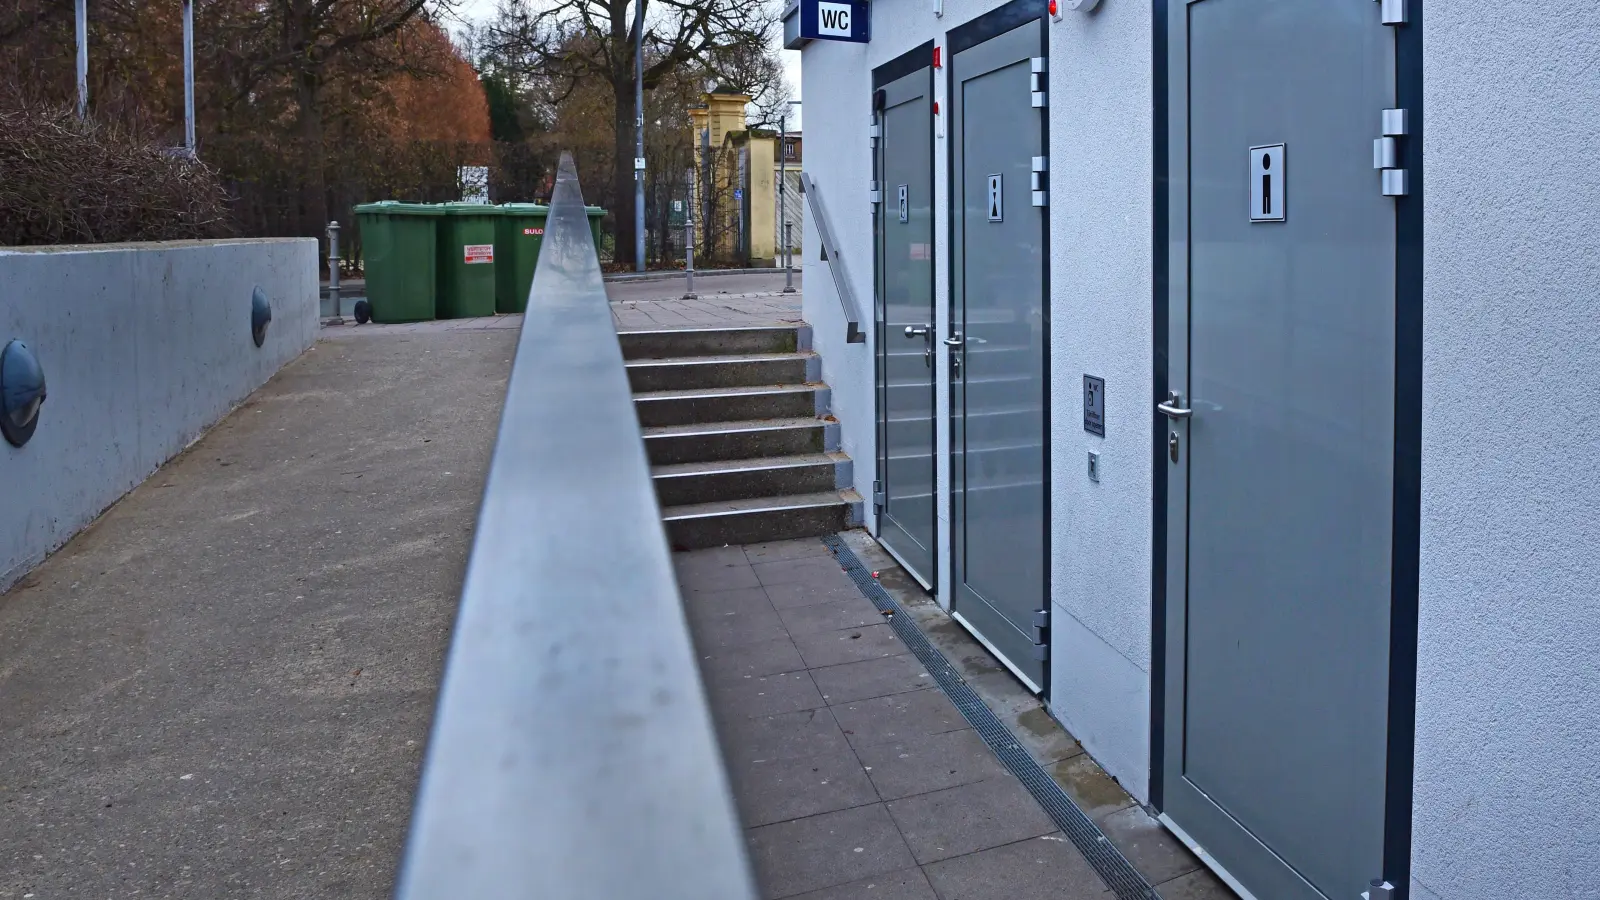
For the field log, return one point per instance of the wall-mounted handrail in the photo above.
(572, 753)
(835, 260)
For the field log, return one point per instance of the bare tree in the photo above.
(571, 41)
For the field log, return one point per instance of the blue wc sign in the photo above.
(805, 21)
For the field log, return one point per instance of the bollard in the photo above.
(333, 272)
(788, 259)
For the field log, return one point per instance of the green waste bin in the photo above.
(466, 260)
(398, 252)
(518, 234)
(595, 215)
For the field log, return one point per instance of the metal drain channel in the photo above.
(1109, 863)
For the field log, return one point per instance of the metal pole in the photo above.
(688, 244)
(705, 185)
(188, 80)
(83, 58)
(783, 201)
(333, 269)
(638, 162)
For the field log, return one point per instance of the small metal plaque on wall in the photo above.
(1094, 405)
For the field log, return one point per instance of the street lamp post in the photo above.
(638, 155)
(783, 199)
(188, 77)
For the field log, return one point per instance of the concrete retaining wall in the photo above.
(144, 347)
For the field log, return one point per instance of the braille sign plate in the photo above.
(1094, 405)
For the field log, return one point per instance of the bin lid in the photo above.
(459, 208)
(397, 208)
(523, 209)
(594, 211)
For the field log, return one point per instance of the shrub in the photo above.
(66, 181)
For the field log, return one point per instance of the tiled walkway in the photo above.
(723, 302)
(855, 776)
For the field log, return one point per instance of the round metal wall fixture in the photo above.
(260, 315)
(1082, 5)
(21, 393)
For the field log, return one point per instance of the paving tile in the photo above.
(835, 615)
(969, 818)
(899, 717)
(1154, 851)
(767, 695)
(832, 648)
(751, 624)
(785, 596)
(777, 790)
(820, 571)
(715, 571)
(929, 763)
(1197, 885)
(722, 664)
(1042, 868)
(1095, 792)
(906, 884)
(782, 550)
(871, 678)
(827, 850)
(812, 732)
(705, 606)
(1040, 733)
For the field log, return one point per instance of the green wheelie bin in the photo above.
(595, 215)
(398, 242)
(466, 260)
(518, 234)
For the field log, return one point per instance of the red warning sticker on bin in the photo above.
(533, 231)
(478, 253)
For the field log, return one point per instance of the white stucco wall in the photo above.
(1100, 95)
(144, 346)
(1507, 786)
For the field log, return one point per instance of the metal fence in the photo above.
(572, 753)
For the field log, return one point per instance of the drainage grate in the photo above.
(1108, 862)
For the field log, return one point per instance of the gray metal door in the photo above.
(1281, 478)
(997, 380)
(904, 220)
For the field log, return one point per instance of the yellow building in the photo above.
(737, 216)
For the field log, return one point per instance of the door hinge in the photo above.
(1041, 652)
(1041, 624)
(874, 131)
(1395, 12)
(878, 497)
(1038, 83)
(1386, 153)
(1041, 185)
(875, 194)
(1379, 890)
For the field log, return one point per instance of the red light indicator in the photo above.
(1052, 7)
(937, 64)
(936, 107)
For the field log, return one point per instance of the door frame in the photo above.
(907, 63)
(973, 32)
(1407, 514)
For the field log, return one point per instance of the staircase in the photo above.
(736, 426)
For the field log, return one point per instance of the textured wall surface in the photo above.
(1507, 773)
(144, 346)
(1100, 94)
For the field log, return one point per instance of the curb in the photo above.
(698, 273)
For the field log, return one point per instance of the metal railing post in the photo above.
(688, 244)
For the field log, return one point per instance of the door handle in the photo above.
(954, 340)
(916, 331)
(1174, 408)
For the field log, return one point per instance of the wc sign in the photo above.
(828, 20)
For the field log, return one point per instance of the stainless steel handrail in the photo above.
(572, 753)
(835, 260)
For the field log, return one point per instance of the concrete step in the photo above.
(686, 407)
(679, 343)
(744, 370)
(761, 519)
(704, 442)
(744, 479)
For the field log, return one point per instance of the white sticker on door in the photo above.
(997, 201)
(1269, 183)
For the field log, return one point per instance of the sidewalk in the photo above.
(728, 302)
(855, 774)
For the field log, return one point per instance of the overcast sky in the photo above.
(482, 10)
